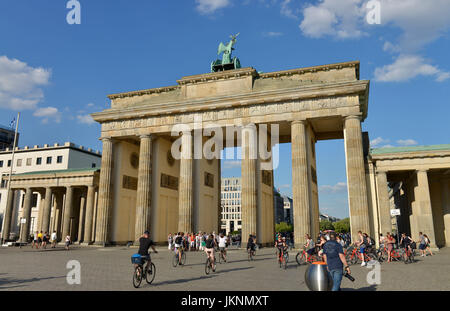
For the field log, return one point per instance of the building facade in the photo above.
(231, 212)
(30, 162)
(7, 137)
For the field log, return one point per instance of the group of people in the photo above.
(389, 241)
(42, 239)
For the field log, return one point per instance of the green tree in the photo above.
(342, 226)
(283, 227)
(326, 225)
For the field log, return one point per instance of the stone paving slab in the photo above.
(108, 269)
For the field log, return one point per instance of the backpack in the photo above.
(179, 240)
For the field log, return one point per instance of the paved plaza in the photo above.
(111, 269)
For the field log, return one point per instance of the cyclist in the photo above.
(405, 243)
(251, 243)
(210, 245)
(179, 246)
(144, 244)
(223, 243)
(310, 246)
(279, 245)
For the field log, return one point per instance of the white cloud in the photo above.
(378, 140)
(48, 113)
(85, 119)
(337, 18)
(407, 67)
(286, 9)
(337, 188)
(272, 34)
(211, 6)
(231, 164)
(407, 142)
(20, 84)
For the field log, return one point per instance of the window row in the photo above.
(28, 161)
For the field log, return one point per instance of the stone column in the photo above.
(445, 191)
(6, 228)
(47, 207)
(58, 213)
(105, 200)
(68, 212)
(249, 189)
(25, 232)
(300, 186)
(90, 201)
(82, 217)
(356, 177)
(383, 203)
(185, 207)
(422, 213)
(144, 195)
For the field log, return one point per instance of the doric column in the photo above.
(249, 188)
(185, 207)
(104, 204)
(90, 201)
(47, 207)
(422, 213)
(383, 203)
(25, 232)
(445, 191)
(8, 215)
(144, 195)
(57, 215)
(68, 212)
(356, 177)
(300, 186)
(82, 218)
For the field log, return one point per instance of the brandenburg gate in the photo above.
(143, 185)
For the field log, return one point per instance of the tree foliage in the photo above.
(326, 225)
(283, 227)
(342, 226)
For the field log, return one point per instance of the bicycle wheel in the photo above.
(183, 258)
(299, 258)
(220, 257)
(151, 272)
(208, 266)
(354, 260)
(175, 260)
(285, 260)
(380, 256)
(137, 277)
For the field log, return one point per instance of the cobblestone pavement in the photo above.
(111, 269)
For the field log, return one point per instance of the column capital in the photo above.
(304, 122)
(103, 139)
(149, 135)
(422, 171)
(353, 117)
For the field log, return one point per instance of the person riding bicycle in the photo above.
(310, 246)
(179, 246)
(362, 244)
(144, 244)
(223, 243)
(209, 249)
(251, 243)
(405, 242)
(281, 246)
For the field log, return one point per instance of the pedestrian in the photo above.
(67, 240)
(44, 240)
(54, 239)
(427, 247)
(334, 257)
(40, 237)
(35, 240)
(170, 240)
(390, 245)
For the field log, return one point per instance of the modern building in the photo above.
(231, 216)
(7, 137)
(30, 165)
(288, 209)
(324, 217)
(278, 204)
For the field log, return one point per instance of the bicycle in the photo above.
(176, 261)
(408, 255)
(222, 254)
(210, 264)
(382, 255)
(148, 273)
(283, 259)
(251, 254)
(353, 257)
(303, 258)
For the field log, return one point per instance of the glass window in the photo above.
(94, 165)
(38, 161)
(29, 162)
(9, 163)
(59, 159)
(1, 163)
(19, 162)
(49, 160)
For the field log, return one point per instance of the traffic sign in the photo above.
(395, 212)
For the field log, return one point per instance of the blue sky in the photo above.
(56, 73)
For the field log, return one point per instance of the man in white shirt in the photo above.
(223, 246)
(54, 239)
